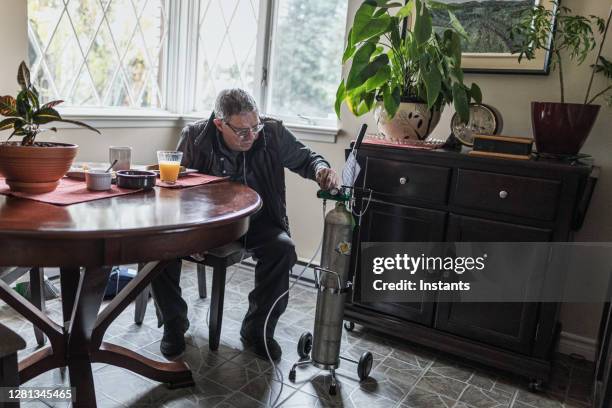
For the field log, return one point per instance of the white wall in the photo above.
(13, 18)
(511, 94)
(145, 142)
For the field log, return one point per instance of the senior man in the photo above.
(236, 142)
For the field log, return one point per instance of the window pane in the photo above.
(98, 53)
(226, 48)
(306, 57)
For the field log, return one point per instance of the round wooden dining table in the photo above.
(85, 240)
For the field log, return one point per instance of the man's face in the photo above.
(239, 131)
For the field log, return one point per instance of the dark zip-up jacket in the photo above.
(275, 149)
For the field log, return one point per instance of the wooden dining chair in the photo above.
(219, 259)
(9, 375)
(37, 294)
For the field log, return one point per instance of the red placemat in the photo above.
(69, 191)
(192, 180)
(404, 144)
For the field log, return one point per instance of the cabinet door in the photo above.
(384, 222)
(508, 325)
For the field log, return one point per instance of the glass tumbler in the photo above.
(169, 165)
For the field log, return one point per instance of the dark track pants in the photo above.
(275, 254)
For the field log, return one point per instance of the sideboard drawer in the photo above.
(523, 196)
(398, 179)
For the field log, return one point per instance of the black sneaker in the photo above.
(258, 347)
(173, 342)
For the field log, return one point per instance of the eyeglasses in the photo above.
(243, 133)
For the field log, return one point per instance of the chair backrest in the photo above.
(11, 341)
(10, 344)
(232, 253)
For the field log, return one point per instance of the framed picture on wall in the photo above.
(488, 24)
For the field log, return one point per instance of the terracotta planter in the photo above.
(413, 121)
(35, 169)
(562, 128)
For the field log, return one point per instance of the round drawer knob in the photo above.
(403, 180)
(503, 194)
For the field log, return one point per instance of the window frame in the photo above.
(179, 76)
(299, 120)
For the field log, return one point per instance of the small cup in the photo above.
(98, 180)
(169, 165)
(123, 155)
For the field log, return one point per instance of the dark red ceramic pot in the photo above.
(562, 128)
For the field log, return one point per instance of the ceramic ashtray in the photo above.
(136, 179)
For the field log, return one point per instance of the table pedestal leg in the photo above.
(69, 278)
(81, 378)
(89, 294)
(79, 342)
(176, 374)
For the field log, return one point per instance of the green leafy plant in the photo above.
(423, 65)
(563, 34)
(25, 115)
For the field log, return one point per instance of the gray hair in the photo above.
(234, 102)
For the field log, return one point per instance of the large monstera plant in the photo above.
(25, 115)
(397, 56)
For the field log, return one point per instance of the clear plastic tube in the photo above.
(277, 371)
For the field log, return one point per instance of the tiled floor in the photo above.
(403, 375)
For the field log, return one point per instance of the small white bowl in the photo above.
(98, 180)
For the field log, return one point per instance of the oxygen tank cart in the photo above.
(323, 348)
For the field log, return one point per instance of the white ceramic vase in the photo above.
(413, 121)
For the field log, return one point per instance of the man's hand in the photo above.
(327, 178)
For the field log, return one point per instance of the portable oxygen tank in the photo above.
(335, 257)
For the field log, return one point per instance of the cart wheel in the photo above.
(349, 326)
(365, 365)
(292, 375)
(304, 345)
(332, 389)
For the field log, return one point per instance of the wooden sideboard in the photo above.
(438, 195)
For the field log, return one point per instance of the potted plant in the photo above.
(30, 166)
(562, 128)
(407, 79)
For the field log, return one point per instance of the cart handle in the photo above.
(338, 289)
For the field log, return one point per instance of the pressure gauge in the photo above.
(484, 120)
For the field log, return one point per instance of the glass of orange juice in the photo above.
(169, 165)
